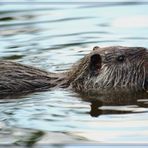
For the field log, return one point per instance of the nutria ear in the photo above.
(96, 47)
(95, 64)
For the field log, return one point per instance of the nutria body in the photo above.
(16, 78)
(104, 70)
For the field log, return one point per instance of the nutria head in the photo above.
(111, 69)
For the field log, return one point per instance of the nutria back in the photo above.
(103, 70)
(16, 78)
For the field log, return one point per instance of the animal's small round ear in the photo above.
(96, 47)
(95, 64)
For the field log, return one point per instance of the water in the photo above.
(53, 36)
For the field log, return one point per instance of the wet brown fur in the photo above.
(16, 78)
(113, 76)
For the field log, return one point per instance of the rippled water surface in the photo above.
(52, 36)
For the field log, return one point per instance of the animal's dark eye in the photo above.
(120, 58)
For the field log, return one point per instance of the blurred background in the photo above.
(52, 36)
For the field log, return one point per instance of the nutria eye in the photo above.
(120, 58)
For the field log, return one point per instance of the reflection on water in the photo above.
(52, 37)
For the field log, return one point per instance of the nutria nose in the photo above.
(95, 63)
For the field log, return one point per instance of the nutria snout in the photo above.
(104, 70)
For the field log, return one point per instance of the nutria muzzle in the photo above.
(104, 71)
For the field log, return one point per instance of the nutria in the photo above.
(103, 70)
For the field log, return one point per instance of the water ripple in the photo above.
(52, 36)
